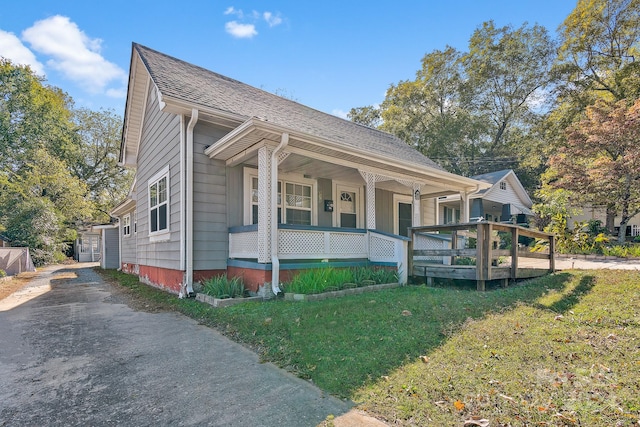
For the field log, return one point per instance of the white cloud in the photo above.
(12, 48)
(241, 31)
(272, 19)
(339, 113)
(245, 24)
(74, 54)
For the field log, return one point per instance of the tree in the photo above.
(32, 116)
(509, 70)
(599, 47)
(429, 112)
(601, 159)
(367, 116)
(97, 160)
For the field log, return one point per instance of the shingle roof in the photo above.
(492, 177)
(180, 80)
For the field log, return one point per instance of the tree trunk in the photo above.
(610, 220)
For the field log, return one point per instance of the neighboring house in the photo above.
(234, 180)
(4, 242)
(600, 213)
(88, 247)
(109, 245)
(505, 200)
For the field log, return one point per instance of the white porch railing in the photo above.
(324, 243)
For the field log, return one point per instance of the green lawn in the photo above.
(558, 350)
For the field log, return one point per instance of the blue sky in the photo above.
(329, 55)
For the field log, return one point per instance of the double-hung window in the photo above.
(126, 225)
(294, 206)
(159, 203)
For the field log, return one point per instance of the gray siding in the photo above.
(235, 196)
(111, 248)
(325, 188)
(128, 243)
(210, 230)
(384, 210)
(159, 147)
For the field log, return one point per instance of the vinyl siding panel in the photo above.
(325, 188)
(128, 244)
(211, 237)
(384, 210)
(235, 196)
(159, 147)
(495, 194)
(428, 208)
(111, 255)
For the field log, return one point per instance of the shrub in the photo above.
(322, 279)
(3, 273)
(222, 287)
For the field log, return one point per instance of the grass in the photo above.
(558, 350)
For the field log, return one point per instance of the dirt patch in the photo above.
(7, 287)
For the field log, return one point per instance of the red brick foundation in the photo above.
(252, 279)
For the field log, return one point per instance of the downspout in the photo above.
(275, 262)
(189, 207)
(183, 192)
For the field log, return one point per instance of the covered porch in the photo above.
(306, 200)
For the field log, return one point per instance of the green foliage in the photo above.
(222, 287)
(319, 280)
(3, 273)
(622, 251)
(57, 166)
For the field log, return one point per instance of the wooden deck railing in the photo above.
(435, 251)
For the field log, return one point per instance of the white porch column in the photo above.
(370, 180)
(264, 204)
(464, 206)
(417, 209)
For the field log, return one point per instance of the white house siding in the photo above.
(128, 243)
(384, 210)
(504, 197)
(159, 147)
(210, 237)
(428, 207)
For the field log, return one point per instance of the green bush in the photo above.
(319, 280)
(623, 251)
(3, 273)
(222, 287)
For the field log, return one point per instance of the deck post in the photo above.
(454, 244)
(514, 253)
(410, 255)
(552, 250)
(480, 253)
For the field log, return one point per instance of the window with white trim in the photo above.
(126, 225)
(296, 207)
(159, 203)
(503, 185)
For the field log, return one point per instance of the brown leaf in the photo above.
(476, 422)
(406, 313)
(459, 405)
(424, 359)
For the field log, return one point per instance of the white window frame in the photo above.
(503, 185)
(160, 234)
(284, 179)
(126, 225)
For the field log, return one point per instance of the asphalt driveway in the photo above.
(71, 353)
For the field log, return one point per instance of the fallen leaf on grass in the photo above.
(459, 405)
(475, 421)
(406, 313)
(558, 317)
(424, 359)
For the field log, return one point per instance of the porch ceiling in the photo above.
(322, 159)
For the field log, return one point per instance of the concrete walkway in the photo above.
(71, 354)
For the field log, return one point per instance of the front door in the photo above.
(402, 214)
(347, 212)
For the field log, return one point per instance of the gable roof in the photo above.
(494, 178)
(181, 84)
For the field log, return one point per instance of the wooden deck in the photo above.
(480, 251)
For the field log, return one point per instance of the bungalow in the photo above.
(505, 200)
(234, 180)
